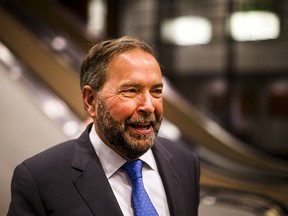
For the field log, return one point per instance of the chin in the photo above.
(136, 147)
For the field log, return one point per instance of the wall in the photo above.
(24, 131)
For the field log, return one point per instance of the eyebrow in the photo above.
(157, 85)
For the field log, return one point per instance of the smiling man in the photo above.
(128, 108)
(118, 166)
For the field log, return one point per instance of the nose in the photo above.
(146, 103)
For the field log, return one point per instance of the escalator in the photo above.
(233, 174)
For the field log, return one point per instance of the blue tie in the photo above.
(142, 203)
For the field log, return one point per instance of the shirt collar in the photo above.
(110, 160)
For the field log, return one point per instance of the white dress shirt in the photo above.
(119, 181)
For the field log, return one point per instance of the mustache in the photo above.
(142, 120)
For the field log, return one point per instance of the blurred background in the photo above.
(225, 64)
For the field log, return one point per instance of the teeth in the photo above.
(142, 126)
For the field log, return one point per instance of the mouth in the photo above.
(142, 128)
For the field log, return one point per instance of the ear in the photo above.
(89, 100)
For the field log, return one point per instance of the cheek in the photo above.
(121, 109)
(159, 108)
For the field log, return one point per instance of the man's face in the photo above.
(129, 107)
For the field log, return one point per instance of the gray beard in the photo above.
(116, 133)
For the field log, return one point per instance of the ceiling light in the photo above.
(254, 25)
(186, 30)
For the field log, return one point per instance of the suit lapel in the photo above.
(92, 183)
(170, 179)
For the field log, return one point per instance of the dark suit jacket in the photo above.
(68, 180)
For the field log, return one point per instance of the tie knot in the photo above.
(133, 169)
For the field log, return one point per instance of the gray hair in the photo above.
(95, 63)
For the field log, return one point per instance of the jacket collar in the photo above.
(92, 183)
(169, 176)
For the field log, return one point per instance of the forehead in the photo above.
(133, 55)
(133, 63)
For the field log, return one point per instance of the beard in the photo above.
(130, 145)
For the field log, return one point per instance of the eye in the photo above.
(129, 92)
(157, 93)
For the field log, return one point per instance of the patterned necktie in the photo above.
(142, 203)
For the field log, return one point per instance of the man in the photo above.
(122, 86)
